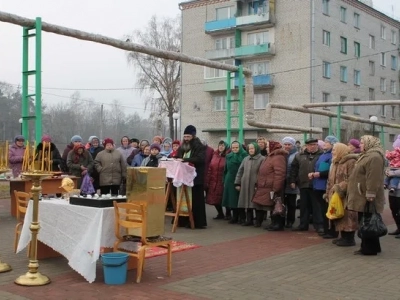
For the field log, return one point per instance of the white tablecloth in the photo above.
(76, 232)
(181, 172)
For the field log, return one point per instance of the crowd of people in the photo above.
(250, 184)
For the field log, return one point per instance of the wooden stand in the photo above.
(177, 206)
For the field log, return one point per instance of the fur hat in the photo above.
(190, 129)
(108, 141)
(155, 146)
(289, 140)
(76, 138)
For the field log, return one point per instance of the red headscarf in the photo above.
(274, 145)
(76, 154)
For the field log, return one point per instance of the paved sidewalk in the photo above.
(234, 262)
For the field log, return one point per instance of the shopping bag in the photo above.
(87, 186)
(279, 208)
(335, 208)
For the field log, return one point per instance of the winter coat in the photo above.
(151, 161)
(303, 163)
(55, 156)
(197, 158)
(74, 166)
(246, 178)
(125, 151)
(111, 166)
(215, 176)
(271, 178)
(209, 152)
(15, 158)
(395, 173)
(138, 159)
(366, 180)
(288, 189)
(64, 156)
(95, 175)
(339, 174)
(322, 166)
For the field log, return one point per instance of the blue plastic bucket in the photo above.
(115, 267)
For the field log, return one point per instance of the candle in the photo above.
(6, 154)
(50, 165)
(1, 157)
(33, 157)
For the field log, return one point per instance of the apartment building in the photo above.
(299, 52)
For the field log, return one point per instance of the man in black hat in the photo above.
(193, 152)
(303, 164)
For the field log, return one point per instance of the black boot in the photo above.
(278, 224)
(228, 215)
(249, 217)
(235, 216)
(347, 239)
(220, 215)
(259, 218)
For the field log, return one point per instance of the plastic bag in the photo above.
(371, 226)
(87, 186)
(335, 208)
(279, 208)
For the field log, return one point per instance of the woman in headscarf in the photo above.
(125, 149)
(55, 154)
(270, 182)
(246, 180)
(343, 162)
(365, 187)
(166, 149)
(354, 146)
(16, 155)
(94, 149)
(175, 146)
(214, 185)
(231, 195)
(80, 162)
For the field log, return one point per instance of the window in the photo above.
(356, 109)
(343, 74)
(343, 11)
(383, 32)
(383, 59)
(357, 49)
(225, 43)
(343, 45)
(357, 77)
(225, 12)
(383, 110)
(217, 73)
(261, 101)
(371, 94)
(393, 37)
(220, 103)
(392, 138)
(371, 68)
(393, 62)
(371, 42)
(259, 68)
(326, 38)
(257, 38)
(326, 69)
(383, 84)
(325, 98)
(393, 87)
(325, 7)
(393, 112)
(343, 99)
(356, 20)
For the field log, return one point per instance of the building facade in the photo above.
(299, 52)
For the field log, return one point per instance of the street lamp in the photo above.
(20, 125)
(373, 120)
(175, 116)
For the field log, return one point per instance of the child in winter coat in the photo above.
(394, 163)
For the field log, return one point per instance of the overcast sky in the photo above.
(74, 64)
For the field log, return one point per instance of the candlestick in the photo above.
(3, 266)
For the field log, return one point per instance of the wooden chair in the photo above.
(133, 217)
(22, 200)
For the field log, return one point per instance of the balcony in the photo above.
(259, 81)
(216, 84)
(220, 53)
(220, 25)
(251, 20)
(253, 50)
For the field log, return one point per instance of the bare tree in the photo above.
(159, 77)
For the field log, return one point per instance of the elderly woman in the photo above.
(79, 162)
(16, 155)
(354, 146)
(342, 165)
(365, 186)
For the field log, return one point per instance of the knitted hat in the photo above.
(108, 141)
(134, 141)
(158, 138)
(331, 139)
(19, 137)
(190, 129)
(396, 143)
(289, 140)
(321, 144)
(176, 142)
(93, 137)
(355, 143)
(46, 138)
(76, 138)
(155, 146)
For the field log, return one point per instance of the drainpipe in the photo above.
(312, 58)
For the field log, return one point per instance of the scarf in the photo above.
(371, 144)
(256, 147)
(237, 157)
(340, 151)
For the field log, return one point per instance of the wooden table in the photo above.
(50, 186)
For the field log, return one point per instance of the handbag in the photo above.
(335, 208)
(371, 226)
(279, 208)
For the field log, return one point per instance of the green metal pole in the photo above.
(330, 127)
(241, 104)
(382, 137)
(305, 136)
(25, 102)
(228, 108)
(38, 79)
(339, 121)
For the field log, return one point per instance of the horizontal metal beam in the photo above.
(352, 103)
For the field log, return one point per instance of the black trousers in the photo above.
(308, 196)
(290, 202)
(394, 204)
(324, 208)
(370, 246)
(109, 189)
